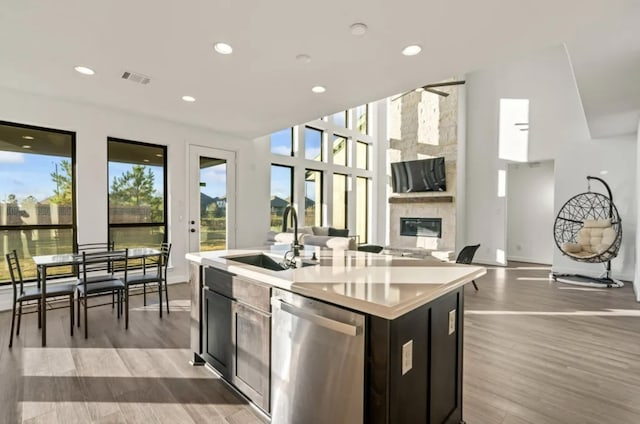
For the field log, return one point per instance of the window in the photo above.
(137, 193)
(312, 144)
(340, 150)
(362, 119)
(313, 198)
(340, 200)
(513, 135)
(282, 142)
(340, 119)
(362, 208)
(37, 204)
(334, 152)
(362, 155)
(281, 193)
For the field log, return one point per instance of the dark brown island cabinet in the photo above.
(412, 364)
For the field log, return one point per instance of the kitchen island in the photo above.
(346, 336)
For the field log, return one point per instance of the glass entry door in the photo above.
(212, 199)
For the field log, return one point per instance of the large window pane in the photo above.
(340, 150)
(137, 193)
(213, 204)
(340, 206)
(282, 142)
(313, 197)
(362, 208)
(29, 243)
(36, 195)
(340, 119)
(312, 144)
(362, 155)
(281, 193)
(362, 118)
(138, 236)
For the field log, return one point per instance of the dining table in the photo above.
(43, 262)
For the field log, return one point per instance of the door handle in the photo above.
(342, 327)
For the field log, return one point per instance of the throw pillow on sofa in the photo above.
(320, 231)
(335, 232)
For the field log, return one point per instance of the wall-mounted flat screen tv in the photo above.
(418, 175)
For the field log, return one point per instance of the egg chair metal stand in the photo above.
(584, 212)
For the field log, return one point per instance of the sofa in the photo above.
(328, 237)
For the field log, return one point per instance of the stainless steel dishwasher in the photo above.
(317, 362)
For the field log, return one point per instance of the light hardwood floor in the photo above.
(141, 375)
(536, 352)
(539, 352)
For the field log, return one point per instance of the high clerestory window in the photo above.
(37, 202)
(335, 153)
(313, 144)
(137, 193)
(362, 119)
(282, 142)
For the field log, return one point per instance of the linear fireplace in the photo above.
(423, 227)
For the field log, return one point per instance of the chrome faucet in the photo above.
(295, 246)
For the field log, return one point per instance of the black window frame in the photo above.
(74, 225)
(322, 142)
(291, 153)
(164, 194)
(322, 174)
(291, 184)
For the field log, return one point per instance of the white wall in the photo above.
(461, 165)
(636, 283)
(530, 208)
(558, 131)
(93, 125)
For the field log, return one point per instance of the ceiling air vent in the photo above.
(136, 77)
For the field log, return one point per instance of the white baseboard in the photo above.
(528, 260)
(484, 261)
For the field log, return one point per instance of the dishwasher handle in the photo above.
(342, 327)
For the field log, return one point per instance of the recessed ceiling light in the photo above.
(223, 48)
(411, 50)
(604, 172)
(303, 58)
(84, 70)
(358, 29)
(189, 99)
(26, 146)
(318, 89)
(27, 137)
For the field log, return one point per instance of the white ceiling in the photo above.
(261, 87)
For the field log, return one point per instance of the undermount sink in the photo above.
(267, 262)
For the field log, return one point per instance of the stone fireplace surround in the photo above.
(425, 206)
(421, 126)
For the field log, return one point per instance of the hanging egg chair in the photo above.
(588, 229)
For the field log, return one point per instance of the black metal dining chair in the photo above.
(22, 294)
(96, 277)
(154, 271)
(96, 262)
(466, 257)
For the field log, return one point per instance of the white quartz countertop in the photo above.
(381, 285)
